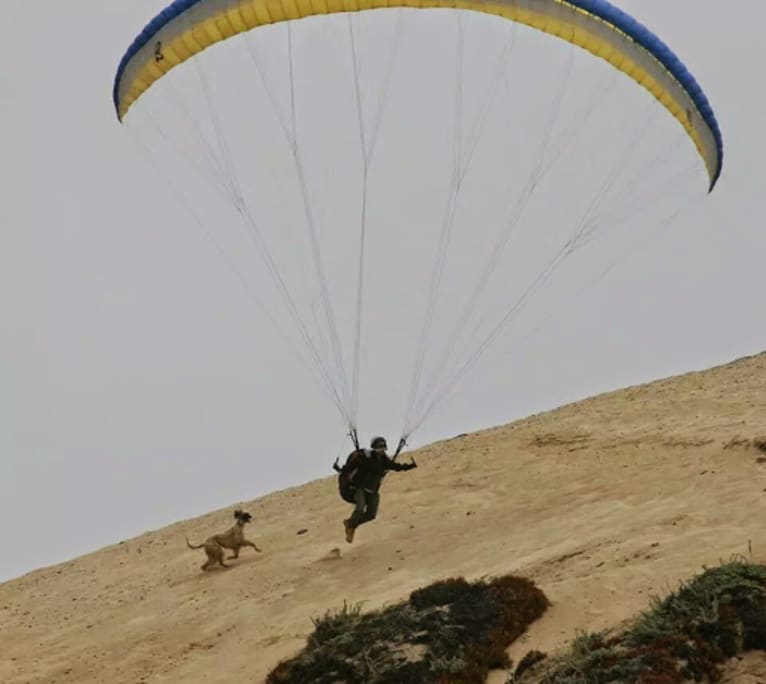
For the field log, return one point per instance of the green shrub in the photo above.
(451, 632)
(687, 635)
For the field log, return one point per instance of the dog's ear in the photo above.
(237, 513)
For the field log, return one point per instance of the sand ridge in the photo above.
(603, 503)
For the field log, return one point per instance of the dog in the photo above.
(233, 538)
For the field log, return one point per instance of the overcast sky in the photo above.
(141, 384)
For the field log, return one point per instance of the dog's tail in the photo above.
(191, 546)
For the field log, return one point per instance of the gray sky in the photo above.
(139, 383)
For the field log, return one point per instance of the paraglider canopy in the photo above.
(568, 118)
(186, 27)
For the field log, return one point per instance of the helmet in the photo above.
(378, 443)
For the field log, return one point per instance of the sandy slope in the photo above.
(602, 503)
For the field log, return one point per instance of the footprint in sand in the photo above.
(331, 555)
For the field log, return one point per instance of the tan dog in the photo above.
(233, 538)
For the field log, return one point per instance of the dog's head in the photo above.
(242, 517)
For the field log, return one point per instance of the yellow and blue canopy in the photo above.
(187, 27)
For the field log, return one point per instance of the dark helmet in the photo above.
(378, 443)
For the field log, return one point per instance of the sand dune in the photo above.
(603, 503)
